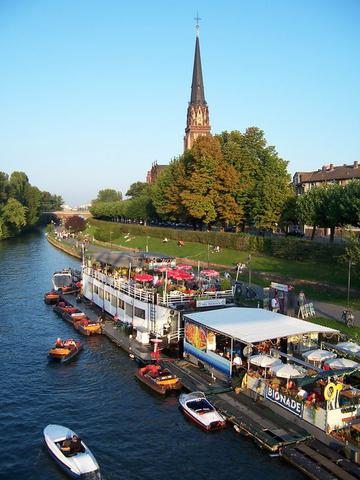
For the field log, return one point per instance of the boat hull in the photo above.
(162, 389)
(80, 465)
(205, 417)
(65, 358)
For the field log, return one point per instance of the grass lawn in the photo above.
(353, 332)
(264, 268)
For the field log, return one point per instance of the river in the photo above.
(133, 433)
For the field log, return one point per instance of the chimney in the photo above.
(356, 164)
(323, 168)
(331, 168)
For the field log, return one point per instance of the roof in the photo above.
(344, 172)
(252, 325)
(197, 86)
(123, 259)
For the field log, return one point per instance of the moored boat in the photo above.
(87, 327)
(160, 380)
(198, 409)
(77, 464)
(64, 351)
(66, 281)
(51, 297)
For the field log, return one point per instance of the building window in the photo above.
(121, 303)
(139, 312)
(101, 293)
(128, 309)
(113, 300)
(107, 296)
(96, 290)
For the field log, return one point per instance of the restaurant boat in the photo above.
(64, 351)
(78, 465)
(158, 379)
(137, 289)
(200, 411)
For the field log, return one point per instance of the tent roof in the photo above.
(252, 325)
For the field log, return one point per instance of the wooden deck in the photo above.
(268, 429)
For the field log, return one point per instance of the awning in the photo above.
(252, 325)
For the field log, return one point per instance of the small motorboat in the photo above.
(160, 380)
(66, 281)
(198, 409)
(88, 327)
(64, 351)
(51, 297)
(79, 464)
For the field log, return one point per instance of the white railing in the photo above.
(174, 297)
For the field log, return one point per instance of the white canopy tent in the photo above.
(286, 371)
(252, 325)
(337, 363)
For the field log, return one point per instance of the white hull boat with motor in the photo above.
(199, 410)
(62, 280)
(77, 465)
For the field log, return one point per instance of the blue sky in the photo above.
(93, 91)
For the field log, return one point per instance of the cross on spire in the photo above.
(197, 26)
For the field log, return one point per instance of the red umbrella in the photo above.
(181, 275)
(143, 277)
(161, 269)
(209, 273)
(183, 266)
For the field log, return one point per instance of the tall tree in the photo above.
(18, 184)
(14, 215)
(108, 195)
(138, 189)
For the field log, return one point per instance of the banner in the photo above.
(284, 401)
(211, 302)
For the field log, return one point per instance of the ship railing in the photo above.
(178, 298)
(122, 285)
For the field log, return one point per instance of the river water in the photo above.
(133, 433)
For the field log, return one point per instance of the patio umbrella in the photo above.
(183, 266)
(264, 361)
(180, 275)
(143, 277)
(161, 269)
(286, 371)
(209, 273)
(337, 363)
(349, 346)
(319, 355)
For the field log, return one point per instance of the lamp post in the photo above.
(147, 244)
(349, 282)
(110, 239)
(249, 267)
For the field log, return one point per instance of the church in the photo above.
(197, 120)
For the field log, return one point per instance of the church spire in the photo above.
(197, 86)
(198, 113)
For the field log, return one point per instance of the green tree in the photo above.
(18, 184)
(108, 195)
(4, 187)
(138, 189)
(14, 216)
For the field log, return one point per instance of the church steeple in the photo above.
(197, 86)
(198, 113)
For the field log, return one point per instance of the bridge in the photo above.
(64, 214)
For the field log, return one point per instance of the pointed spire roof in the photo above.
(197, 86)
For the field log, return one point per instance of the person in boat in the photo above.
(59, 343)
(76, 445)
(66, 447)
(237, 363)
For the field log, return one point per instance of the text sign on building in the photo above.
(284, 401)
(211, 303)
(279, 286)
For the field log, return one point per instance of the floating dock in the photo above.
(268, 429)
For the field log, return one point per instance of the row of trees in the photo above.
(21, 204)
(231, 178)
(329, 206)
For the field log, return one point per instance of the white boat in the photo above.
(62, 280)
(198, 409)
(77, 465)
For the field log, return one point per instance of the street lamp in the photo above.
(147, 244)
(249, 267)
(349, 281)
